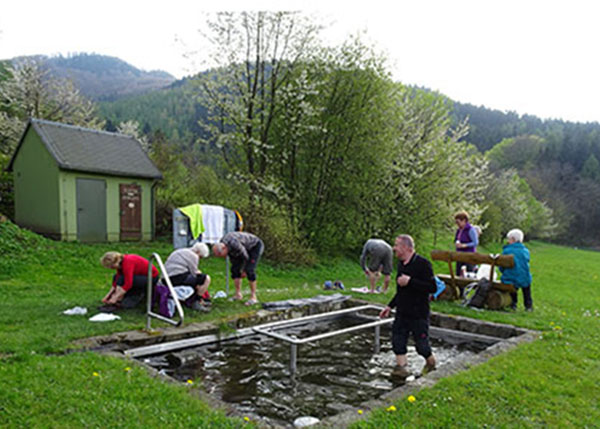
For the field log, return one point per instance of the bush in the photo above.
(282, 243)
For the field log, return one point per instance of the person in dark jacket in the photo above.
(414, 284)
(519, 276)
(244, 250)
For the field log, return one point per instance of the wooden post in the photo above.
(455, 292)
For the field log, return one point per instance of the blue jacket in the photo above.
(519, 275)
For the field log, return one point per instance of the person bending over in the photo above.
(130, 280)
(379, 255)
(182, 267)
(244, 250)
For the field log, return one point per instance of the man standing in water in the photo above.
(414, 283)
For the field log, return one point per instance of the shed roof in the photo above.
(84, 149)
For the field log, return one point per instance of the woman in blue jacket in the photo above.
(519, 276)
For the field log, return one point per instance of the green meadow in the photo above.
(552, 382)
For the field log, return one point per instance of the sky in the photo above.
(528, 56)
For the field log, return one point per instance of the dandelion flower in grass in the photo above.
(190, 382)
(391, 408)
(360, 411)
(127, 369)
(246, 419)
(411, 399)
(95, 374)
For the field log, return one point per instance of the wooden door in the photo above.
(131, 211)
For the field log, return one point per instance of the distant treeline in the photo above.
(559, 160)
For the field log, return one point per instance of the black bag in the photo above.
(476, 293)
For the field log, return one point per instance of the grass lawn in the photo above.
(553, 382)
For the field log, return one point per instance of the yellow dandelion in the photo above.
(564, 314)
(411, 399)
(391, 408)
(127, 369)
(189, 382)
(551, 323)
(246, 419)
(360, 411)
(95, 374)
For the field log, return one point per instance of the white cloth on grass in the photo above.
(104, 317)
(75, 311)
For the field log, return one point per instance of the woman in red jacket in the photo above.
(130, 281)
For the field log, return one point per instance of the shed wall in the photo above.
(113, 216)
(35, 175)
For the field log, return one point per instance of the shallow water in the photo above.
(333, 374)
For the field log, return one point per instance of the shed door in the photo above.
(91, 209)
(131, 211)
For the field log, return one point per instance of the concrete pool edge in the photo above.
(116, 344)
(345, 418)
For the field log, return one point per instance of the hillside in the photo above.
(102, 78)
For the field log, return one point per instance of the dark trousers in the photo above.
(137, 293)
(237, 265)
(188, 279)
(419, 328)
(526, 297)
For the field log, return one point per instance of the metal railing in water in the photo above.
(267, 329)
(149, 313)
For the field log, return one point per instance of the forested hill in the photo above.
(104, 78)
(488, 127)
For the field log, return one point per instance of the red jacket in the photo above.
(133, 265)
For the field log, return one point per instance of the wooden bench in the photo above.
(499, 295)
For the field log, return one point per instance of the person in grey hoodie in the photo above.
(379, 255)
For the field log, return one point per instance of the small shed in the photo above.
(74, 183)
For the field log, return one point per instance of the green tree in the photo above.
(254, 55)
(591, 168)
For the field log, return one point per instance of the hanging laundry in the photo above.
(214, 219)
(230, 222)
(195, 213)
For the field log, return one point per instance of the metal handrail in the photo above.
(268, 328)
(149, 313)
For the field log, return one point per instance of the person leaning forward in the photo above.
(182, 266)
(414, 283)
(380, 259)
(244, 250)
